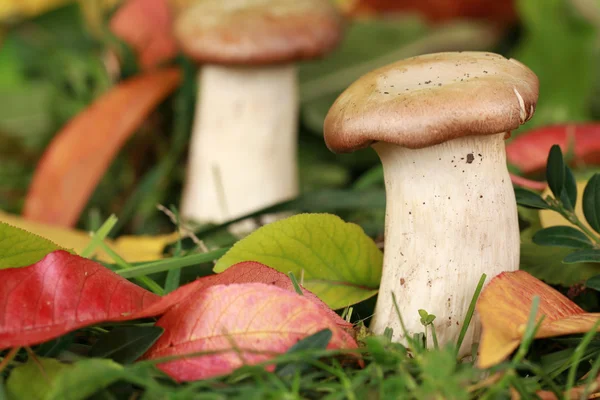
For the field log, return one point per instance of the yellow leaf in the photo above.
(504, 307)
(550, 218)
(30, 8)
(131, 248)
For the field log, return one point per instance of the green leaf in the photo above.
(568, 195)
(49, 379)
(126, 344)
(591, 202)
(548, 265)
(333, 259)
(34, 379)
(19, 248)
(589, 255)
(562, 236)
(529, 199)
(316, 341)
(555, 171)
(593, 283)
(84, 378)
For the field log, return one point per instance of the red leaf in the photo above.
(502, 11)
(65, 292)
(61, 293)
(146, 26)
(527, 183)
(79, 155)
(254, 272)
(248, 322)
(529, 152)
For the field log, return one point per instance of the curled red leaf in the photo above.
(527, 183)
(529, 152)
(244, 324)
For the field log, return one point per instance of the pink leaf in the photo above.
(247, 323)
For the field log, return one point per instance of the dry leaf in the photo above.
(130, 248)
(573, 394)
(79, 155)
(245, 323)
(504, 307)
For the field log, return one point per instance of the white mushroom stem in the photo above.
(451, 216)
(243, 146)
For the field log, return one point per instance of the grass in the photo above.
(308, 370)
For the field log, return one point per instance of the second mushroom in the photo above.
(243, 146)
(438, 123)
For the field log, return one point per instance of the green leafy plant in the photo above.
(584, 241)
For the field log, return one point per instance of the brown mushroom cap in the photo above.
(256, 31)
(430, 99)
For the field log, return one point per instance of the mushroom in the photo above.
(438, 123)
(244, 142)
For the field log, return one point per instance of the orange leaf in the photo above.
(504, 306)
(78, 156)
(146, 26)
(247, 323)
(573, 394)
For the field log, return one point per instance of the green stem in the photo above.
(121, 263)
(575, 221)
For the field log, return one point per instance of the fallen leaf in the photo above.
(146, 26)
(130, 248)
(574, 394)
(529, 151)
(244, 323)
(254, 272)
(78, 156)
(504, 307)
(19, 247)
(32, 379)
(333, 259)
(37, 303)
(527, 183)
(437, 10)
(65, 292)
(49, 379)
